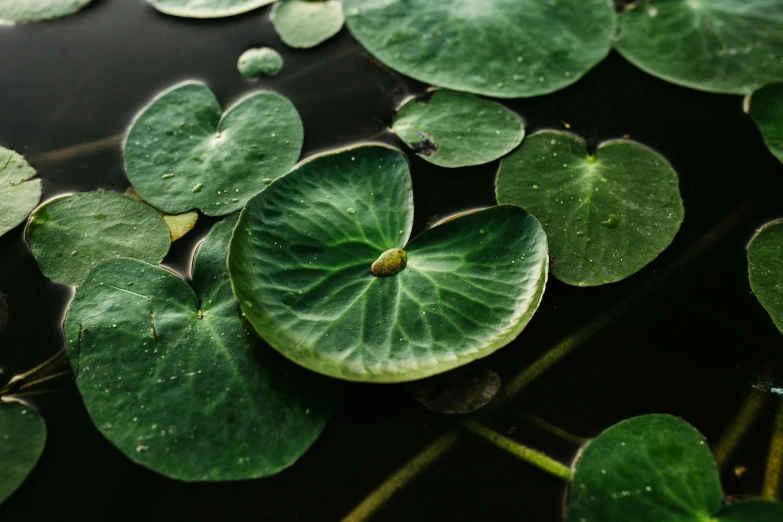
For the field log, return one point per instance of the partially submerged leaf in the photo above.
(726, 46)
(181, 153)
(206, 8)
(501, 48)
(70, 235)
(765, 106)
(179, 224)
(459, 391)
(606, 215)
(179, 382)
(307, 23)
(765, 269)
(14, 11)
(22, 439)
(302, 258)
(454, 129)
(20, 189)
(259, 61)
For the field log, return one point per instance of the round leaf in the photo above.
(307, 23)
(765, 266)
(654, 468)
(259, 61)
(206, 8)
(751, 511)
(606, 216)
(181, 154)
(70, 235)
(301, 260)
(20, 190)
(501, 48)
(22, 439)
(726, 46)
(14, 11)
(187, 390)
(765, 106)
(454, 129)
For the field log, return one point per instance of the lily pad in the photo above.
(725, 46)
(765, 267)
(259, 61)
(500, 48)
(70, 235)
(459, 391)
(179, 382)
(181, 153)
(20, 190)
(307, 23)
(654, 468)
(454, 129)
(606, 215)
(15, 11)
(323, 269)
(765, 106)
(22, 439)
(207, 8)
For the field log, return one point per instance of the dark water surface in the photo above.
(691, 339)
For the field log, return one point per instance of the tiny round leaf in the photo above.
(259, 61)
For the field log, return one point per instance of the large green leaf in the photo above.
(259, 61)
(765, 106)
(606, 215)
(654, 468)
(305, 250)
(20, 190)
(727, 46)
(307, 23)
(184, 387)
(454, 129)
(181, 154)
(501, 48)
(22, 439)
(13, 11)
(70, 235)
(765, 268)
(206, 8)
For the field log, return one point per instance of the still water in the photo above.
(686, 336)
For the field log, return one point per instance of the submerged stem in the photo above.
(76, 151)
(551, 428)
(22, 376)
(774, 472)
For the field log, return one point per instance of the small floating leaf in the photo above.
(20, 190)
(15, 11)
(70, 235)
(455, 129)
(307, 269)
(458, 392)
(259, 61)
(726, 46)
(765, 106)
(22, 439)
(765, 269)
(218, 161)
(207, 8)
(166, 380)
(307, 23)
(599, 231)
(501, 48)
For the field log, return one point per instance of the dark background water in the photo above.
(691, 340)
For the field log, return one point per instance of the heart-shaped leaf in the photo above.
(318, 265)
(655, 468)
(181, 154)
(727, 46)
(765, 106)
(22, 439)
(606, 215)
(501, 48)
(70, 235)
(765, 266)
(207, 8)
(455, 129)
(259, 61)
(185, 387)
(305, 23)
(20, 190)
(14, 11)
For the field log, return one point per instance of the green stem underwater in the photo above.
(773, 473)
